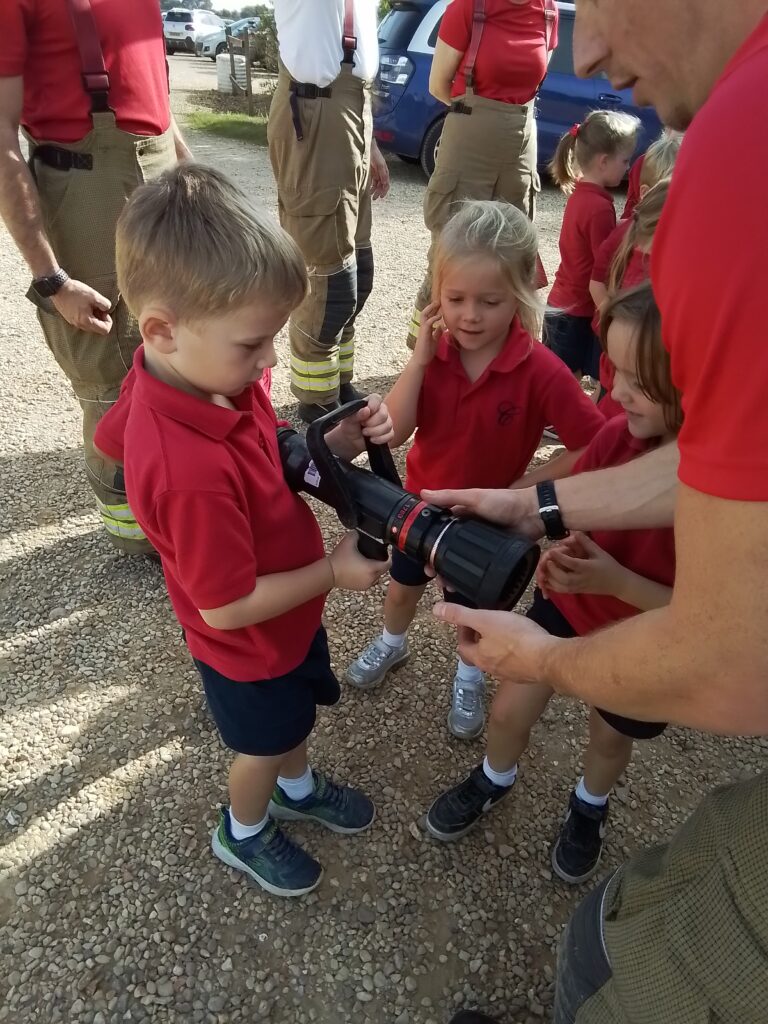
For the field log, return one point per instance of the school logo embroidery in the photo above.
(506, 413)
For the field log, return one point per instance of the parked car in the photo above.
(182, 27)
(409, 121)
(214, 43)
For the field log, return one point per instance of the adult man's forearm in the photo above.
(639, 495)
(662, 667)
(20, 207)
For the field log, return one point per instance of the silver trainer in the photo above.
(374, 663)
(467, 715)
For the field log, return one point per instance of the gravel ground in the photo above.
(111, 905)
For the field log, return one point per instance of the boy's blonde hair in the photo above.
(645, 219)
(602, 132)
(660, 158)
(191, 240)
(501, 231)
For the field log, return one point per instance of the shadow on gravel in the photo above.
(42, 488)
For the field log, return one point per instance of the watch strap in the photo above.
(549, 510)
(47, 286)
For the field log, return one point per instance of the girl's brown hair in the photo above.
(602, 132)
(637, 307)
(645, 219)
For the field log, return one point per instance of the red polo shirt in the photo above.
(588, 220)
(206, 485)
(633, 187)
(39, 44)
(512, 59)
(649, 553)
(710, 277)
(484, 434)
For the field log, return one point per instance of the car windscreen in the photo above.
(179, 16)
(562, 58)
(398, 27)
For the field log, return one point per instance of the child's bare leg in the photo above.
(515, 710)
(607, 756)
(251, 784)
(400, 606)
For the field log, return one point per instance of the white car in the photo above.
(183, 27)
(215, 43)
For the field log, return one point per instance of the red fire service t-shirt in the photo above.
(39, 44)
(512, 59)
(588, 220)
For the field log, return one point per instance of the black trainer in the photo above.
(577, 849)
(454, 813)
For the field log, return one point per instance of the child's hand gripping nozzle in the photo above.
(486, 565)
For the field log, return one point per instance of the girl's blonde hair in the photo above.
(645, 219)
(501, 231)
(602, 132)
(660, 158)
(637, 307)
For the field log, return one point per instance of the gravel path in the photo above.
(111, 905)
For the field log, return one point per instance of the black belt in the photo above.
(62, 159)
(305, 91)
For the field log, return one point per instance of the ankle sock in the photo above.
(394, 640)
(298, 789)
(499, 778)
(468, 673)
(240, 831)
(589, 798)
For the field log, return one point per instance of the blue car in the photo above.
(408, 121)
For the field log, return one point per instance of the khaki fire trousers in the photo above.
(323, 187)
(80, 212)
(489, 153)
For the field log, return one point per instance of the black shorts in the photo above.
(271, 716)
(545, 614)
(573, 340)
(410, 573)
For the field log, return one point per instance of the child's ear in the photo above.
(643, 191)
(157, 329)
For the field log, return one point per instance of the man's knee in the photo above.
(341, 299)
(364, 258)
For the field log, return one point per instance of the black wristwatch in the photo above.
(549, 511)
(45, 287)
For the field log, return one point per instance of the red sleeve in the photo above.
(210, 539)
(555, 37)
(601, 225)
(604, 258)
(14, 19)
(633, 188)
(574, 416)
(456, 26)
(710, 278)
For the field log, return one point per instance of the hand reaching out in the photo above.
(577, 565)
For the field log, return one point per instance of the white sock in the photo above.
(240, 831)
(589, 798)
(393, 640)
(499, 778)
(468, 673)
(297, 789)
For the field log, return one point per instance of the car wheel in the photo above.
(220, 49)
(430, 146)
(409, 159)
(170, 51)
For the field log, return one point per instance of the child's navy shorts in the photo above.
(545, 614)
(410, 573)
(573, 340)
(271, 716)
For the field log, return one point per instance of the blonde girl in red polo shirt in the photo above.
(590, 159)
(587, 582)
(478, 390)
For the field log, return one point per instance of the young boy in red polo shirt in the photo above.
(585, 583)
(478, 394)
(211, 283)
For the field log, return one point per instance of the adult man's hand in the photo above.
(506, 645)
(83, 307)
(379, 173)
(516, 509)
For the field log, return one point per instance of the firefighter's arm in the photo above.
(445, 64)
(79, 304)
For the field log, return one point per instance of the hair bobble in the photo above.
(574, 130)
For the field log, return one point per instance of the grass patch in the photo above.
(230, 126)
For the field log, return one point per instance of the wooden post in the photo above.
(232, 71)
(248, 84)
